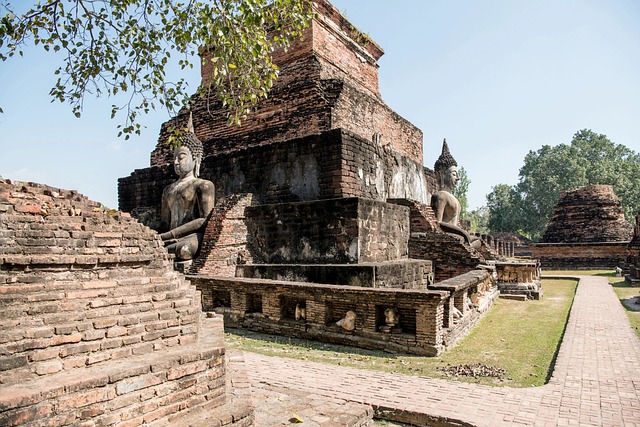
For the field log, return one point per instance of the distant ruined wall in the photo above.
(580, 256)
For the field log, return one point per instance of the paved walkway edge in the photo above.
(596, 380)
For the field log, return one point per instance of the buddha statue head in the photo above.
(446, 169)
(188, 154)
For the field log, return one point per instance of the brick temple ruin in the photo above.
(322, 208)
(322, 229)
(98, 329)
(587, 230)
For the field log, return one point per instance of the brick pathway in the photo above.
(596, 381)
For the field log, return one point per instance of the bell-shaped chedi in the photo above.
(587, 215)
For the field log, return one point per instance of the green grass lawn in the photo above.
(520, 337)
(626, 293)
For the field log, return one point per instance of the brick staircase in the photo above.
(97, 329)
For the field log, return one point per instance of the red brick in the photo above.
(45, 354)
(93, 334)
(116, 331)
(66, 339)
(25, 415)
(104, 323)
(32, 209)
(47, 368)
(133, 384)
(184, 370)
(85, 398)
(143, 349)
(161, 412)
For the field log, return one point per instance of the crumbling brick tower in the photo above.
(323, 134)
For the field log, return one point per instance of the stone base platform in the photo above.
(401, 274)
(514, 297)
(525, 290)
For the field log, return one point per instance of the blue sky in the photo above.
(496, 78)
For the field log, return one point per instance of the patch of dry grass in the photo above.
(519, 336)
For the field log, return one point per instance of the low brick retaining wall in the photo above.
(427, 323)
(580, 256)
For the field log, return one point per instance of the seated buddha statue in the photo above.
(445, 205)
(187, 202)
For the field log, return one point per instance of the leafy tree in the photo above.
(591, 158)
(460, 191)
(479, 220)
(504, 206)
(114, 46)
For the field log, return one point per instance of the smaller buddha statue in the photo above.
(445, 205)
(301, 313)
(187, 202)
(348, 322)
(391, 321)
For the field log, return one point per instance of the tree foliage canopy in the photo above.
(461, 190)
(112, 46)
(591, 158)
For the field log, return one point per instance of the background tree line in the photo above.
(590, 158)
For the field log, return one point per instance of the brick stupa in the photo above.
(588, 214)
(587, 230)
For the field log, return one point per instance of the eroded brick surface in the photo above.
(99, 328)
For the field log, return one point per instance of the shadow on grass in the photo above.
(313, 345)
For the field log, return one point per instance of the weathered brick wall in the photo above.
(463, 289)
(299, 104)
(347, 230)
(99, 330)
(375, 172)
(580, 256)
(140, 194)
(269, 306)
(224, 244)
(333, 164)
(347, 49)
(588, 214)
